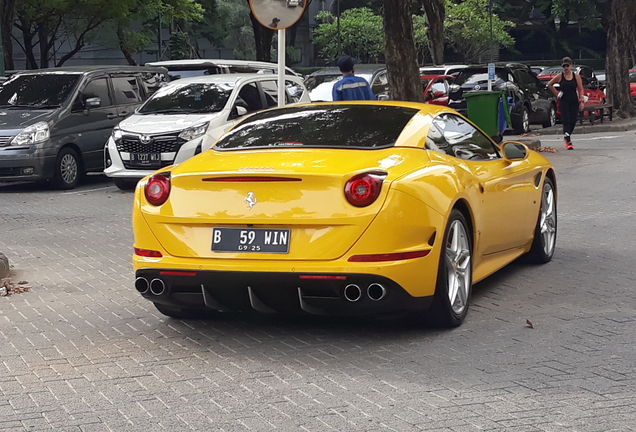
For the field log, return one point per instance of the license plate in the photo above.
(146, 159)
(257, 240)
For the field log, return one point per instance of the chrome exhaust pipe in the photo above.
(376, 292)
(142, 285)
(352, 292)
(157, 287)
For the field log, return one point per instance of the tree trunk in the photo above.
(7, 9)
(262, 39)
(400, 53)
(122, 46)
(435, 14)
(621, 16)
(43, 36)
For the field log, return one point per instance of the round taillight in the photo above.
(157, 189)
(362, 189)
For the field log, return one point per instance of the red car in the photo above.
(591, 93)
(632, 83)
(436, 88)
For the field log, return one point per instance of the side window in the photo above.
(270, 88)
(440, 86)
(380, 84)
(153, 81)
(126, 90)
(464, 141)
(250, 98)
(435, 141)
(294, 91)
(95, 88)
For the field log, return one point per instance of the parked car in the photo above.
(320, 83)
(452, 70)
(632, 83)
(592, 94)
(531, 101)
(600, 76)
(292, 3)
(436, 88)
(538, 69)
(185, 118)
(394, 207)
(55, 121)
(187, 68)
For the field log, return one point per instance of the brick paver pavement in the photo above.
(82, 351)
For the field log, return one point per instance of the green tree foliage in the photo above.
(361, 35)
(467, 29)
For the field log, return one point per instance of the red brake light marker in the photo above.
(362, 190)
(148, 253)
(157, 189)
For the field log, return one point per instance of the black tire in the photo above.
(455, 266)
(67, 169)
(182, 313)
(125, 184)
(545, 231)
(551, 120)
(521, 123)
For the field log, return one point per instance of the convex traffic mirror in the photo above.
(278, 14)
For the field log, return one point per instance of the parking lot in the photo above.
(82, 351)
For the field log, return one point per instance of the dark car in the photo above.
(530, 99)
(56, 121)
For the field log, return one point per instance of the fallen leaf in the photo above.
(529, 324)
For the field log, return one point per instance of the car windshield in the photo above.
(38, 90)
(552, 71)
(188, 98)
(332, 126)
(472, 77)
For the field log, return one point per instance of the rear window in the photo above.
(469, 77)
(326, 126)
(552, 71)
(38, 90)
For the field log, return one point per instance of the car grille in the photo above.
(4, 140)
(9, 172)
(160, 143)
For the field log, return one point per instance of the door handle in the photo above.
(111, 116)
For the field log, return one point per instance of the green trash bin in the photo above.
(483, 110)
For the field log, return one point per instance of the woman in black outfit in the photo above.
(570, 97)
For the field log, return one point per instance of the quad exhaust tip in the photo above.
(376, 292)
(157, 287)
(142, 285)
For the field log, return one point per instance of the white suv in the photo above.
(185, 118)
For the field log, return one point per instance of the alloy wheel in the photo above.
(458, 267)
(547, 223)
(68, 168)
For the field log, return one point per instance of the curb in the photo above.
(618, 126)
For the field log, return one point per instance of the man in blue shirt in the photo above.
(350, 87)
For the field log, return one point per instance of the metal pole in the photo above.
(492, 55)
(281, 67)
(338, 25)
(1, 53)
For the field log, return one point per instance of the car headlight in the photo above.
(117, 134)
(194, 132)
(34, 134)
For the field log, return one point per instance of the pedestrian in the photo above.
(571, 99)
(274, 23)
(350, 87)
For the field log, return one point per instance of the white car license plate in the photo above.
(257, 240)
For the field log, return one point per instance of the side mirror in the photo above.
(93, 102)
(513, 150)
(238, 111)
(383, 97)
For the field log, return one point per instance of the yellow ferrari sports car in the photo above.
(344, 208)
